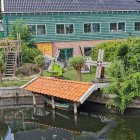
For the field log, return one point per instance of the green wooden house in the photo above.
(68, 24)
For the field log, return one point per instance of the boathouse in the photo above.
(68, 24)
(72, 91)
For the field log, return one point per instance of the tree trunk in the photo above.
(79, 75)
(41, 71)
(0, 76)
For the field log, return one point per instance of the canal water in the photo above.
(39, 123)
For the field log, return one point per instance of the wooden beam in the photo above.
(53, 103)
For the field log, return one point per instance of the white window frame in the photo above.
(117, 27)
(45, 29)
(91, 27)
(36, 29)
(134, 26)
(65, 29)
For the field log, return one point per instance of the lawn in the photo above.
(18, 81)
(70, 74)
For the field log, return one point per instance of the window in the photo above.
(87, 28)
(137, 26)
(32, 29)
(41, 30)
(37, 29)
(96, 27)
(65, 54)
(87, 51)
(121, 27)
(113, 27)
(60, 29)
(64, 29)
(69, 28)
(92, 28)
(117, 27)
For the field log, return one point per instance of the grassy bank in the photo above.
(70, 74)
(18, 81)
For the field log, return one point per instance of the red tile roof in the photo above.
(65, 89)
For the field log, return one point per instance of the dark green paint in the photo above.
(78, 19)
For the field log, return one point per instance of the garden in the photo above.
(123, 73)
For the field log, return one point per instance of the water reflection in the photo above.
(41, 124)
(3, 130)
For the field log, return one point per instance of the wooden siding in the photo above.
(78, 19)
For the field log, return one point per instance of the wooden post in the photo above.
(53, 103)
(75, 108)
(34, 100)
(53, 115)
(75, 120)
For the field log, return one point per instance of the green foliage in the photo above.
(124, 86)
(77, 62)
(3, 130)
(1, 59)
(124, 70)
(29, 54)
(1, 65)
(127, 51)
(27, 69)
(40, 60)
(40, 63)
(20, 27)
(86, 77)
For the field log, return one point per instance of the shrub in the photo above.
(27, 70)
(29, 54)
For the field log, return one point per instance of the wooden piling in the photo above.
(75, 108)
(53, 103)
(34, 100)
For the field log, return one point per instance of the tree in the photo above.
(40, 62)
(20, 27)
(1, 65)
(124, 85)
(124, 72)
(77, 62)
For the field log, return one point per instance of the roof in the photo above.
(33, 6)
(64, 89)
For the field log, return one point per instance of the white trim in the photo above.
(117, 27)
(36, 29)
(45, 29)
(92, 28)
(65, 29)
(2, 5)
(134, 26)
(88, 93)
(76, 11)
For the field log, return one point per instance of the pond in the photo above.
(39, 123)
